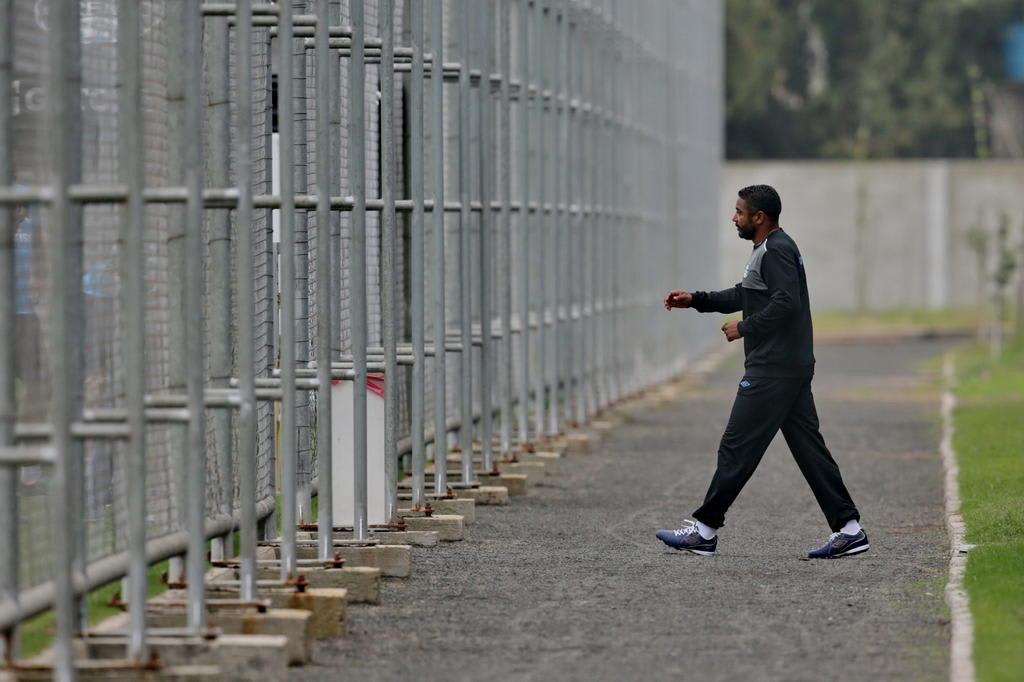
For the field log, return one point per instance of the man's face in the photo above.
(20, 213)
(745, 221)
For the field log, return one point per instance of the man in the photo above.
(775, 391)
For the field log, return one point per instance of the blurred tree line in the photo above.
(862, 78)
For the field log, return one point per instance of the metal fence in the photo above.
(484, 201)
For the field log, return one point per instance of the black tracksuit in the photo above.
(775, 392)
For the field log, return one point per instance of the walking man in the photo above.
(775, 391)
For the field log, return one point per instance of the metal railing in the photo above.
(521, 206)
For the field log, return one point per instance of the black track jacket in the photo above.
(777, 336)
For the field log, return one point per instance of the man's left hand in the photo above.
(731, 330)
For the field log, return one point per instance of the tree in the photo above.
(860, 78)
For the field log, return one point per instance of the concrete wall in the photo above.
(880, 234)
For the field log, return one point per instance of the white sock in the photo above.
(706, 532)
(852, 527)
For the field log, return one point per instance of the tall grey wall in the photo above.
(880, 235)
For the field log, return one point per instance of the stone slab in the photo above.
(362, 583)
(394, 561)
(459, 506)
(325, 604)
(529, 468)
(449, 527)
(516, 484)
(488, 495)
(239, 657)
(294, 624)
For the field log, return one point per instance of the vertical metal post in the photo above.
(568, 220)
(245, 369)
(388, 245)
(286, 180)
(486, 126)
(332, 109)
(194, 285)
(65, 243)
(417, 254)
(8, 405)
(524, 215)
(465, 256)
(541, 247)
(505, 386)
(579, 222)
(555, 220)
(219, 303)
(133, 327)
(440, 335)
(357, 152)
(604, 241)
(565, 98)
(614, 255)
(65, 249)
(304, 460)
(599, 202)
(325, 517)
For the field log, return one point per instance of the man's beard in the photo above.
(746, 233)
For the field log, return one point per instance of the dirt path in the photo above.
(570, 583)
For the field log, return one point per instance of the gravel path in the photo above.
(570, 583)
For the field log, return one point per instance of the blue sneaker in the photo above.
(840, 545)
(688, 539)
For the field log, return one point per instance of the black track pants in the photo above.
(762, 407)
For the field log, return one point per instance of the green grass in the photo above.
(989, 441)
(829, 322)
(37, 633)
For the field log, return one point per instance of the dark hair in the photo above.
(762, 198)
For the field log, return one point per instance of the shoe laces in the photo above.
(686, 530)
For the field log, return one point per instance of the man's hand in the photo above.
(678, 299)
(731, 330)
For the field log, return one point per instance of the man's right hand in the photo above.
(678, 299)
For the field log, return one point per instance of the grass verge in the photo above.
(37, 633)
(989, 441)
(897, 320)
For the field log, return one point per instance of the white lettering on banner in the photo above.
(32, 99)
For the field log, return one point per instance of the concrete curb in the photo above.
(961, 662)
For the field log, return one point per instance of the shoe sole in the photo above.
(855, 550)
(852, 552)
(698, 552)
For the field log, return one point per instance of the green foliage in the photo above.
(860, 78)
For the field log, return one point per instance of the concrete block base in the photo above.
(552, 461)
(294, 624)
(580, 442)
(555, 443)
(606, 423)
(516, 484)
(532, 469)
(362, 584)
(449, 527)
(417, 538)
(114, 671)
(239, 657)
(492, 495)
(326, 605)
(459, 506)
(394, 561)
